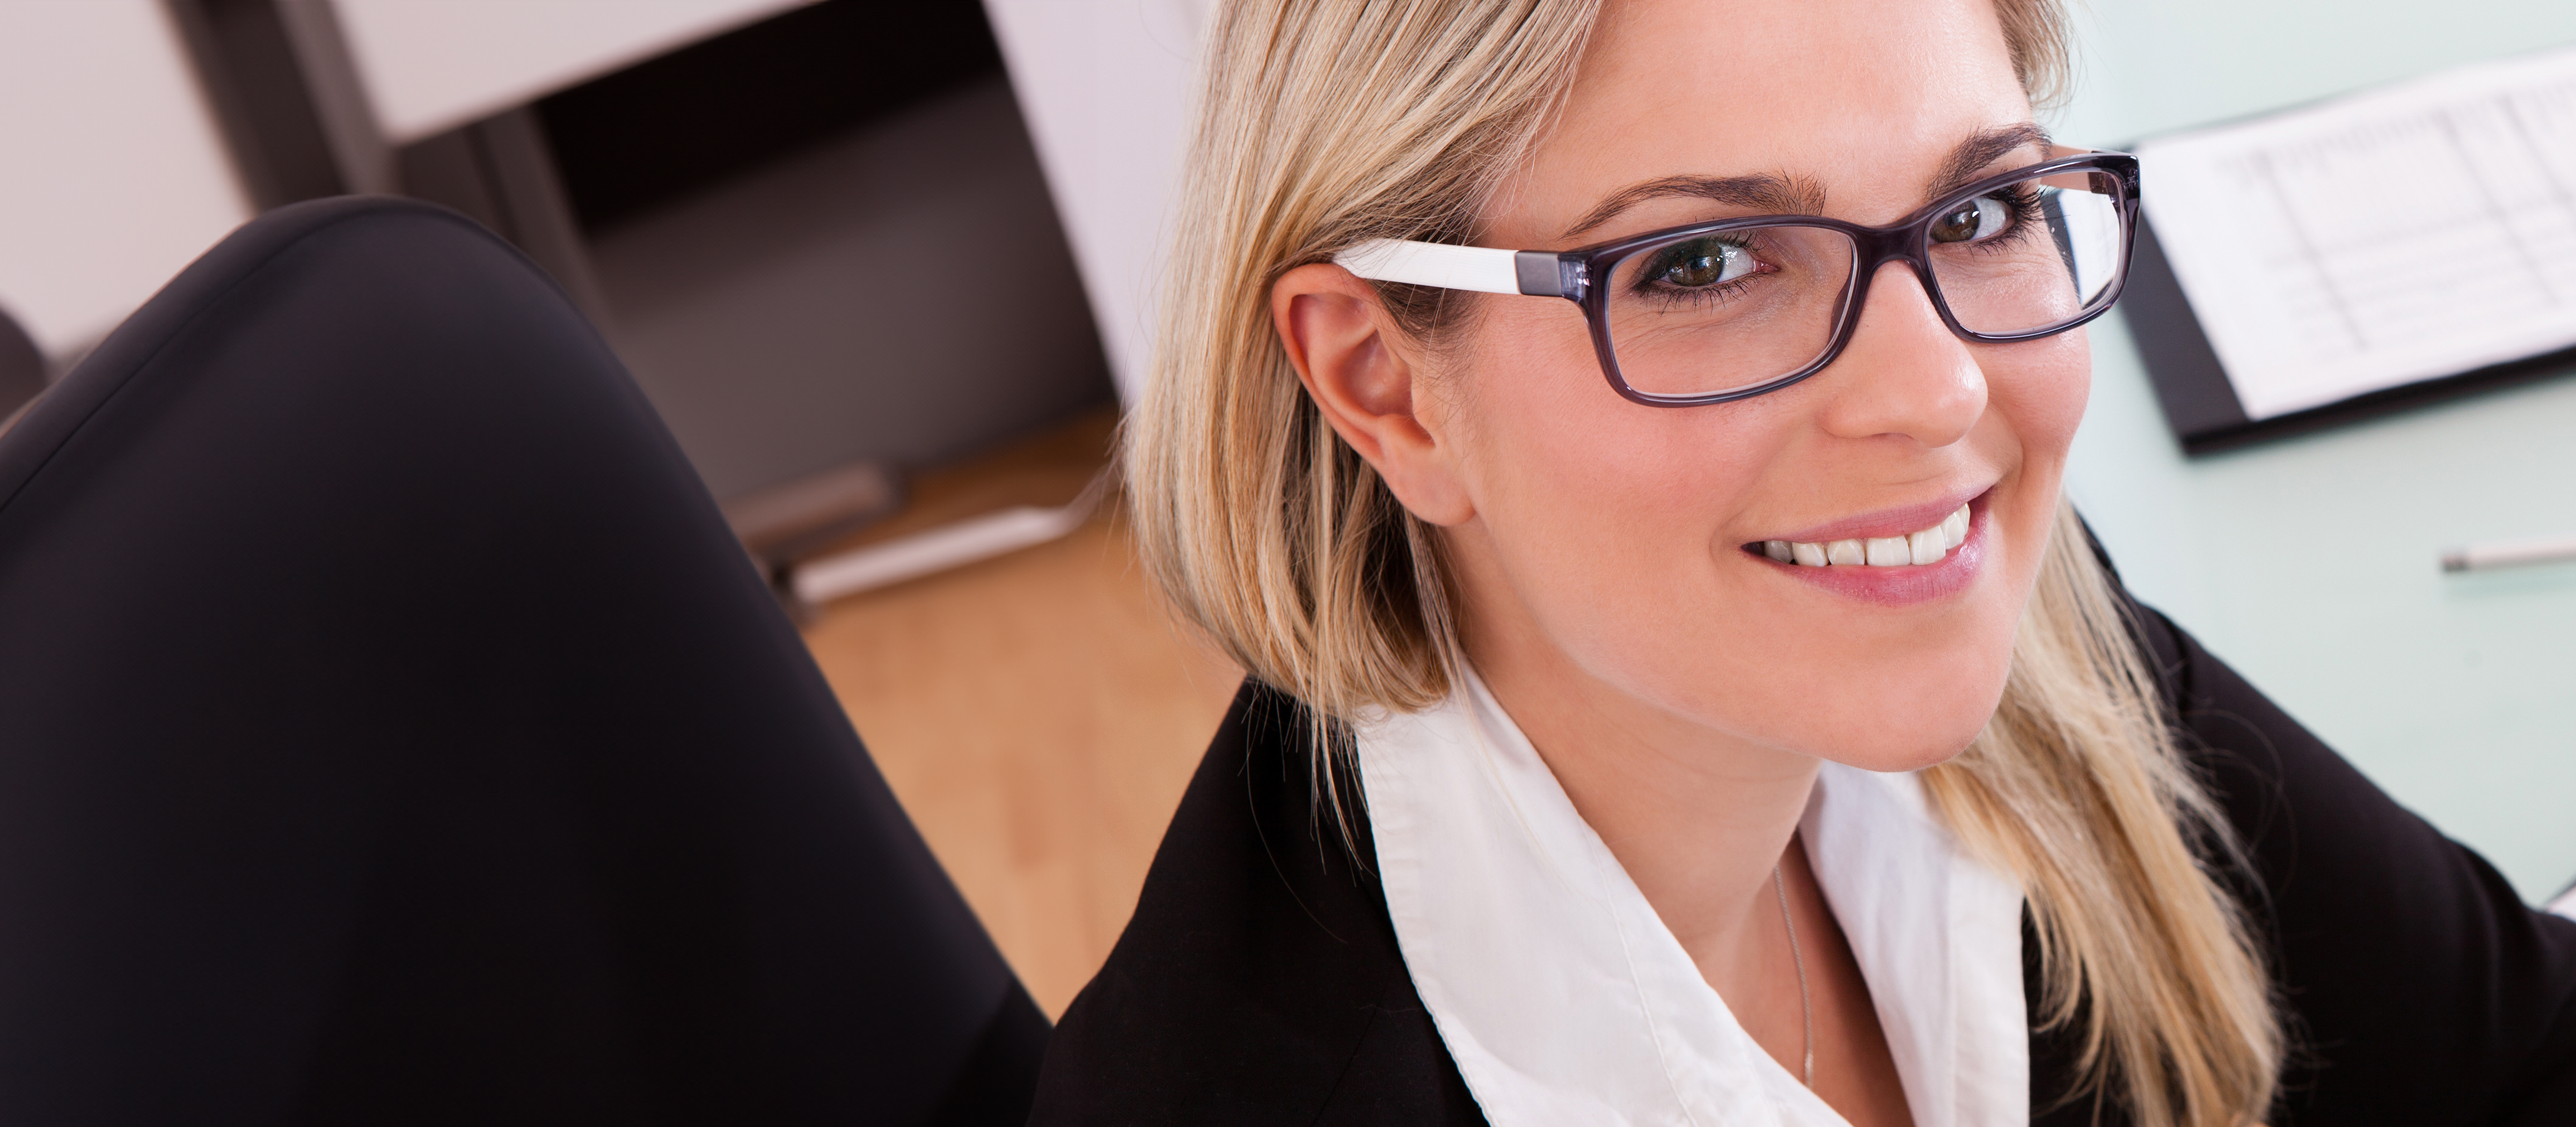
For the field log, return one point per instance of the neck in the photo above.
(1698, 818)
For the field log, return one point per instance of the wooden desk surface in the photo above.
(1038, 714)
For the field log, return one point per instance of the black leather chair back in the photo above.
(391, 732)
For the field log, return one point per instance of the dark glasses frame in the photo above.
(1571, 274)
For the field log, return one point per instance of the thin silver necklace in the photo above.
(1806, 1005)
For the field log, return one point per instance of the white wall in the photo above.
(432, 65)
(115, 174)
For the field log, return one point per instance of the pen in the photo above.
(2510, 553)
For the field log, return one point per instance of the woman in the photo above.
(1693, 702)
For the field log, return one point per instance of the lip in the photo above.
(1897, 586)
(1900, 521)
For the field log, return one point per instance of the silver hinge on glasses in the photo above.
(1544, 273)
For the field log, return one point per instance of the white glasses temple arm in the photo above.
(1536, 273)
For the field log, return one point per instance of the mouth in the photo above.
(1898, 557)
(1918, 548)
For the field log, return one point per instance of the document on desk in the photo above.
(2403, 234)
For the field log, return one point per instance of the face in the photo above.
(1611, 551)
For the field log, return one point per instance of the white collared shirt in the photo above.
(1563, 998)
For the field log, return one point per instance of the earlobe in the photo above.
(1347, 355)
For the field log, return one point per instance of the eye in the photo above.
(1701, 263)
(1981, 218)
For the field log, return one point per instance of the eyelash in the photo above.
(1648, 283)
(2023, 202)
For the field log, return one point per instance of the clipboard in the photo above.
(2276, 323)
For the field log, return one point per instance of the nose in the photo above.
(1904, 374)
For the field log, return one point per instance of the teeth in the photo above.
(1926, 547)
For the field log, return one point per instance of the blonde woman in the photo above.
(1622, 440)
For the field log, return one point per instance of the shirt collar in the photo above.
(1562, 997)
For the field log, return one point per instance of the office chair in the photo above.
(391, 732)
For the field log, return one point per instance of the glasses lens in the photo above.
(2031, 256)
(1727, 311)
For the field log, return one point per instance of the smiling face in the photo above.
(1610, 554)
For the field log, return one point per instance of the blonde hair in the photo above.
(1328, 122)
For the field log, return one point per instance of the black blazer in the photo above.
(1259, 981)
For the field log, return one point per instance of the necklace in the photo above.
(1806, 1005)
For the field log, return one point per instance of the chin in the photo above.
(1910, 727)
(1909, 755)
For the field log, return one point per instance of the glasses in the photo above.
(1734, 308)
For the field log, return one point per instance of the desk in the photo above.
(1038, 714)
(2311, 564)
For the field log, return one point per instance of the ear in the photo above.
(1345, 348)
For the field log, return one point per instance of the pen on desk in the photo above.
(2511, 553)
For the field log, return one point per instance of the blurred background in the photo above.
(795, 221)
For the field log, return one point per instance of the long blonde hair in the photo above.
(1329, 122)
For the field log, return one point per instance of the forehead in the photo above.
(1863, 98)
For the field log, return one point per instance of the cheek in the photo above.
(1592, 501)
(1600, 535)
(2038, 389)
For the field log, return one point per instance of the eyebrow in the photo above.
(1795, 195)
(1782, 195)
(1983, 148)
